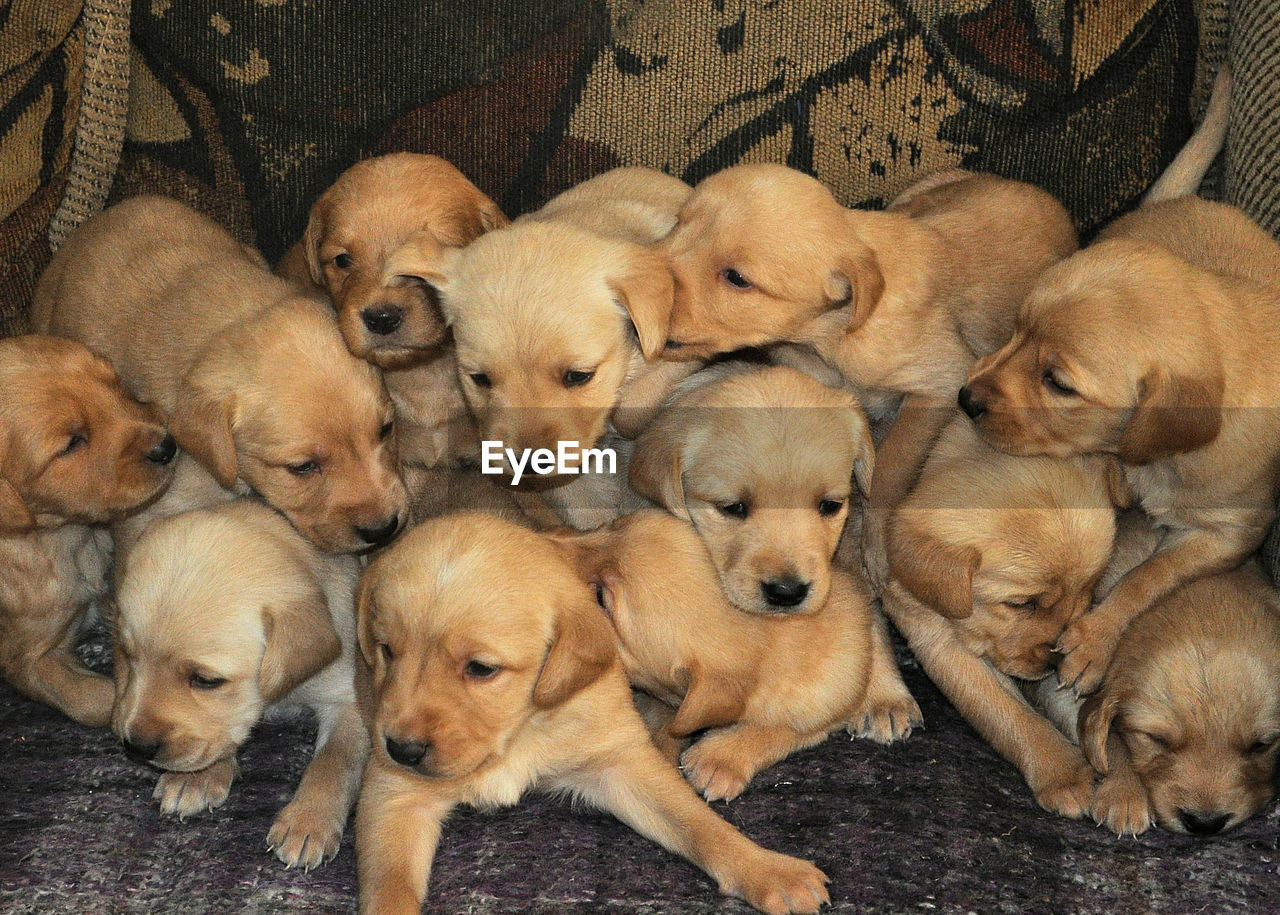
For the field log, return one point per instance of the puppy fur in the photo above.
(901, 302)
(224, 616)
(1152, 345)
(76, 452)
(993, 556)
(489, 669)
(765, 685)
(254, 377)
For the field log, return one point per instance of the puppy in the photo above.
(993, 556)
(75, 450)
(254, 378)
(552, 348)
(225, 616)
(1152, 346)
(766, 685)
(901, 302)
(489, 669)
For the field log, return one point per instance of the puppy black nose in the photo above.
(974, 408)
(382, 319)
(142, 751)
(1203, 824)
(381, 534)
(408, 752)
(163, 453)
(786, 591)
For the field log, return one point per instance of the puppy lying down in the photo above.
(227, 615)
(487, 669)
(765, 685)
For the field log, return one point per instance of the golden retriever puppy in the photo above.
(551, 348)
(993, 557)
(1153, 346)
(224, 616)
(75, 450)
(253, 376)
(766, 685)
(901, 302)
(489, 669)
(763, 463)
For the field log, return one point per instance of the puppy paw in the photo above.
(182, 794)
(1069, 792)
(1086, 648)
(887, 717)
(305, 835)
(1121, 805)
(714, 777)
(779, 884)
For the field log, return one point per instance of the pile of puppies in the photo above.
(673, 628)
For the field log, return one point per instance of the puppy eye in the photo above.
(386, 652)
(1159, 742)
(74, 443)
(481, 380)
(199, 681)
(735, 279)
(1029, 604)
(574, 378)
(1052, 382)
(1258, 747)
(478, 670)
(303, 469)
(829, 507)
(734, 510)
(342, 261)
(386, 429)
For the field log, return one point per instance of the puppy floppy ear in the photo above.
(202, 424)
(855, 279)
(646, 290)
(864, 462)
(1176, 413)
(422, 259)
(1094, 724)
(313, 236)
(582, 649)
(15, 517)
(366, 609)
(301, 641)
(657, 464)
(710, 701)
(936, 573)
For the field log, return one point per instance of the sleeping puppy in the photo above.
(1151, 345)
(75, 450)
(225, 616)
(555, 348)
(900, 302)
(254, 377)
(489, 669)
(993, 557)
(766, 685)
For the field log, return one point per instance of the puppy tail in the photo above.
(1183, 176)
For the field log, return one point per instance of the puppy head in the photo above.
(281, 404)
(371, 210)
(1008, 548)
(758, 252)
(1193, 694)
(473, 628)
(74, 445)
(550, 321)
(763, 464)
(1111, 353)
(218, 615)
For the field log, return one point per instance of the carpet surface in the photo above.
(937, 823)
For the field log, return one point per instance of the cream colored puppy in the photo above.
(253, 376)
(225, 616)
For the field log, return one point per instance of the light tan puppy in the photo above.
(488, 669)
(993, 556)
(901, 302)
(254, 377)
(765, 685)
(225, 616)
(75, 450)
(1159, 353)
(762, 462)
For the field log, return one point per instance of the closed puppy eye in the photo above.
(575, 378)
(1028, 604)
(735, 279)
(387, 654)
(480, 380)
(1258, 747)
(74, 443)
(1158, 742)
(734, 509)
(1056, 385)
(386, 429)
(829, 507)
(342, 261)
(200, 681)
(478, 670)
(303, 468)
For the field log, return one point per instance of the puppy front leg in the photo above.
(398, 824)
(1088, 644)
(635, 784)
(1122, 803)
(899, 458)
(308, 830)
(58, 678)
(888, 711)
(721, 764)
